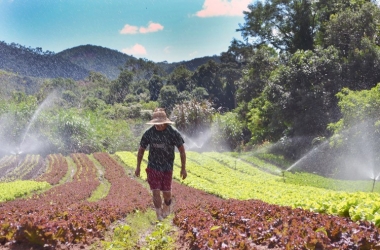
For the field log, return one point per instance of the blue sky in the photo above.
(158, 30)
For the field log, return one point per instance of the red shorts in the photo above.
(159, 180)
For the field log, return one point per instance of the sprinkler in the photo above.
(373, 185)
(18, 152)
(283, 175)
(374, 181)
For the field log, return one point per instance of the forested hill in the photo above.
(76, 62)
(37, 63)
(96, 58)
(190, 65)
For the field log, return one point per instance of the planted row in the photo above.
(28, 168)
(248, 182)
(210, 222)
(56, 169)
(63, 215)
(234, 224)
(7, 163)
(12, 190)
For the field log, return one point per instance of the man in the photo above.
(162, 139)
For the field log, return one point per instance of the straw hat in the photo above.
(159, 117)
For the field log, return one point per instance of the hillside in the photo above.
(190, 65)
(10, 82)
(76, 62)
(96, 58)
(37, 63)
(108, 61)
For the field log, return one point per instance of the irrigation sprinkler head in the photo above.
(374, 182)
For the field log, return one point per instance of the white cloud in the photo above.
(167, 49)
(223, 8)
(137, 49)
(193, 54)
(152, 27)
(129, 29)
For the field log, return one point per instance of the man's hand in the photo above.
(183, 173)
(137, 172)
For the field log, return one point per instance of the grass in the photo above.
(72, 168)
(140, 231)
(102, 190)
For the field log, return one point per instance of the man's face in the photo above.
(161, 127)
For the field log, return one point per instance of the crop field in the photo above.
(226, 202)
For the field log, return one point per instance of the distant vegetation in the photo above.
(37, 63)
(306, 71)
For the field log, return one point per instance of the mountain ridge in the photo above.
(76, 62)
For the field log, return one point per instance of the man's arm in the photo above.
(182, 153)
(140, 155)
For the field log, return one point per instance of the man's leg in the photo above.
(167, 194)
(154, 180)
(157, 201)
(167, 203)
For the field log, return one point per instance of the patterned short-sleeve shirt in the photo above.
(161, 147)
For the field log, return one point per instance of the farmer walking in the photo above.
(162, 139)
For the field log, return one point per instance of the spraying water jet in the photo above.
(46, 103)
(27, 141)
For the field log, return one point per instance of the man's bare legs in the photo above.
(164, 211)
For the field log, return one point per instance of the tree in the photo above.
(94, 104)
(168, 97)
(96, 77)
(121, 86)
(299, 99)
(287, 25)
(155, 84)
(57, 85)
(328, 9)
(199, 94)
(356, 34)
(208, 77)
(142, 69)
(259, 67)
(356, 107)
(232, 63)
(181, 78)
(346, 29)
(70, 98)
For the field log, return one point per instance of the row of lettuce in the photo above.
(230, 177)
